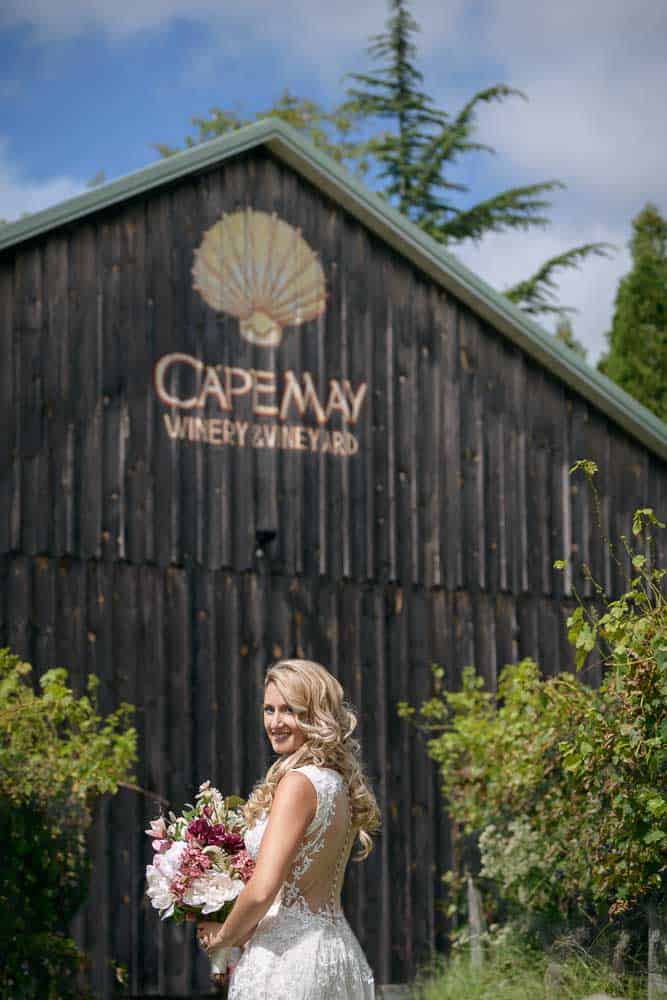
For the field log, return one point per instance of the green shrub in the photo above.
(57, 755)
(563, 784)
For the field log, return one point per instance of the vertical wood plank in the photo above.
(580, 496)
(59, 402)
(239, 186)
(229, 672)
(187, 461)
(19, 607)
(155, 757)
(429, 430)
(9, 428)
(44, 614)
(281, 475)
(452, 522)
(217, 529)
(422, 803)
(472, 455)
(137, 527)
(164, 339)
(29, 319)
(332, 477)
(180, 950)
(359, 322)
(408, 319)
(86, 319)
(101, 657)
(372, 701)
(114, 327)
(124, 817)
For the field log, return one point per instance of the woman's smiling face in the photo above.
(280, 722)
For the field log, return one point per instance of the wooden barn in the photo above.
(249, 410)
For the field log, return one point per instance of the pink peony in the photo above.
(243, 864)
(193, 864)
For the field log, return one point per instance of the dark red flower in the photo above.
(214, 835)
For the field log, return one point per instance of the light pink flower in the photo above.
(158, 829)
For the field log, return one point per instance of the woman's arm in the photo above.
(292, 810)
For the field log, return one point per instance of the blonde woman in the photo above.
(304, 818)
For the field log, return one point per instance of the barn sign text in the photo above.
(254, 405)
(256, 267)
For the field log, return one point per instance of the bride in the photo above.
(303, 820)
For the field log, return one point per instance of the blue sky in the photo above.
(86, 85)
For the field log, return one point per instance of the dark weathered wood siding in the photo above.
(135, 557)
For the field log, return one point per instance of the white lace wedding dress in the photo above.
(304, 948)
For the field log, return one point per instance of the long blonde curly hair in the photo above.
(327, 721)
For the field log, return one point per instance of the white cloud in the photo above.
(595, 75)
(331, 36)
(301, 20)
(598, 35)
(606, 136)
(19, 194)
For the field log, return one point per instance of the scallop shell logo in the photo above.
(255, 266)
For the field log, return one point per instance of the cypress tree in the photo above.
(637, 355)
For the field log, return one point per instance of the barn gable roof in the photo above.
(392, 227)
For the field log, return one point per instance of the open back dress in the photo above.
(303, 948)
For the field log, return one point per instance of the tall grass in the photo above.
(515, 971)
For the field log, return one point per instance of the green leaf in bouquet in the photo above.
(234, 802)
(215, 852)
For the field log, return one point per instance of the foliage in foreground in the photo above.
(515, 971)
(562, 783)
(57, 755)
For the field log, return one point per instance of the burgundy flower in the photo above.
(214, 835)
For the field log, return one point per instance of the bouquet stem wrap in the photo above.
(222, 957)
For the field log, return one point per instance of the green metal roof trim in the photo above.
(394, 228)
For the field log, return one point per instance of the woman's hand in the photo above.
(220, 978)
(208, 932)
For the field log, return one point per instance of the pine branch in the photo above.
(516, 208)
(454, 136)
(536, 295)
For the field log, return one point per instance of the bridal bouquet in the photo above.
(200, 863)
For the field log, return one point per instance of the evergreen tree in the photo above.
(637, 355)
(414, 158)
(565, 334)
(537, 294)
(410, 162)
